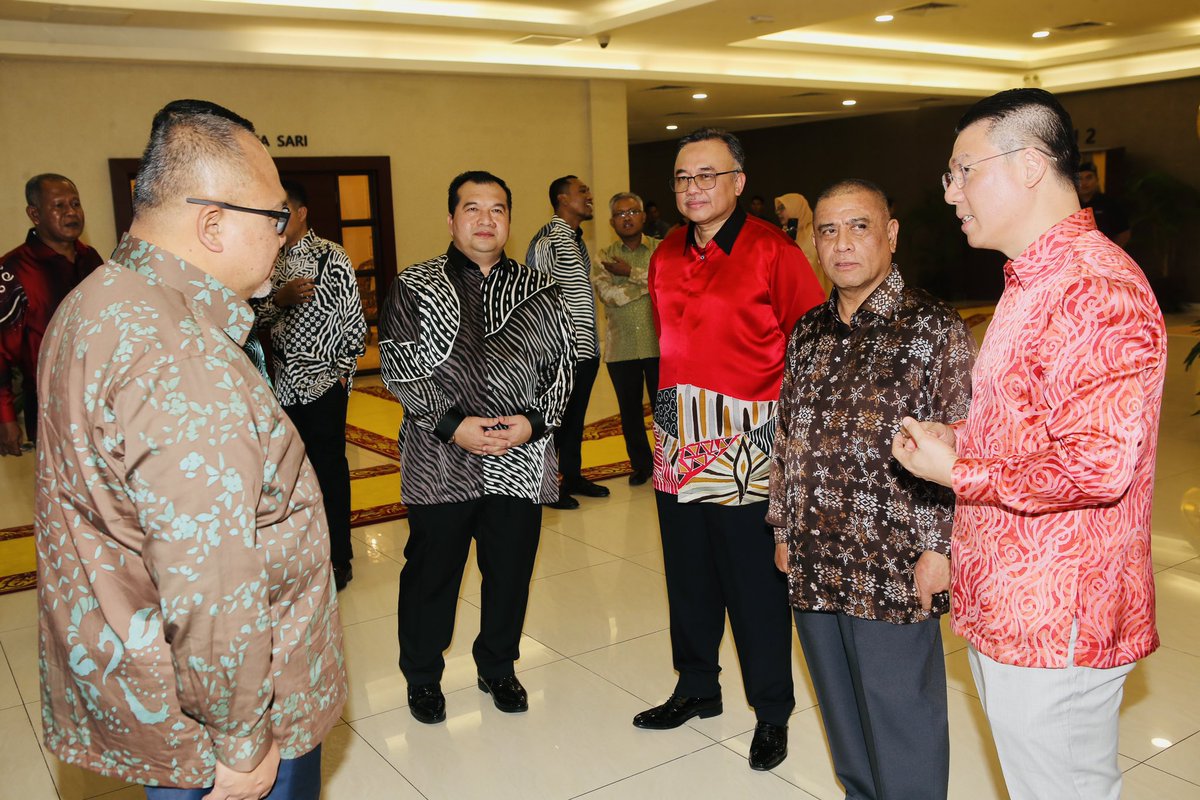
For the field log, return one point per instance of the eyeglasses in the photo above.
(958, 174)
(705, 180)
(280, 215)
(627, 213)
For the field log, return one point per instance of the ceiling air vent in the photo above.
(925, 8)
(542, 40)
(927, 100)
(1082, 26)
(808, 94)
(666, 87)
(682, 114)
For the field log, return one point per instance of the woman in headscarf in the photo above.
(797, 220)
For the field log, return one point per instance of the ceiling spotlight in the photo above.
(700, 96)
(884, 18)
(672, 127)
(849, 102)
(1040, 34)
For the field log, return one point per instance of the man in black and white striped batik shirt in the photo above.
(558, 250)
(315, 317)
(479, 351)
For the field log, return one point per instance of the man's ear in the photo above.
(32, 213)
(893, 231)
(302, 213)
(208, 229)
(1035, 166)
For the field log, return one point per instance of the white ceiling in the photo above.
(761, 62)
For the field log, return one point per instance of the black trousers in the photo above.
(322, 426)
(568, 437)
(506, 532)
(29, 407)
(628, 377)
(722, 559)
(882, 691)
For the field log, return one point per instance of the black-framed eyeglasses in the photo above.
(705, 180)
(627, 213)
(958, 173)
(280, 215)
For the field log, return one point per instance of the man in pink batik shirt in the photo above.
(1053, 468)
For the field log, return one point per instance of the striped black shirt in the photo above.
(557, 250)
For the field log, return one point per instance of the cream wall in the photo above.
(72, 116)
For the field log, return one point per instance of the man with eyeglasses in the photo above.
(34, 278)
(558, 250)
(630, 341)
(315, 318)
(1053, 468)
(727, 290)
(188, 627)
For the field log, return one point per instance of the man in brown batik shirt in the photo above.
(864, 545)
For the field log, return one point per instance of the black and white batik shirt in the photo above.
(557, 250)
(454, 343)
(314, 344)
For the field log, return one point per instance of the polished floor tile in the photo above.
(556, 554)
(9, 695)
(372, 593)
(1161, 704)
(24, 771)
(1144, 782)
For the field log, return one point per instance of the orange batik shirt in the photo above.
(1056, 469)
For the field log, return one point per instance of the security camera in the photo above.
(603, 39)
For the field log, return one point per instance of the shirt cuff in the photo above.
(448, 424)
(537, 421)
(243, 753)
(971, 479)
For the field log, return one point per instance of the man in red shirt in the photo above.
(1053, 468)
(35, 277)
(727, 290)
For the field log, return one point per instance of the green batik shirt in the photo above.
(186, 608)
(629, 332)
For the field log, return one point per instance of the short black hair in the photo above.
(759, 198)
(855, 185)
(297, 194)
(33, 186)
(1088, 166)
(650, 204)
(705, 134)
(186, 137)
(476, 176)
(559, 186)
(1028, 118)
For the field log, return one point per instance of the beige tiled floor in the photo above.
(597, 650)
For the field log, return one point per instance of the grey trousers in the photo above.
(882, 691)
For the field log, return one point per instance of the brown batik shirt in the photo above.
(186, 611)
(855, 523)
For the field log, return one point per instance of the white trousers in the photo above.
(1055, 729)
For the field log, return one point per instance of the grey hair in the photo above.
(619, 196)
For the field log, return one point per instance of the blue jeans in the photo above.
(298, 779)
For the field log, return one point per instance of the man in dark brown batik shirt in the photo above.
(864, 545)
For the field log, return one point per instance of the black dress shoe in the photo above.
(769, 748)
(507, 693)
(342, 574)
(586, 488)
(427, 703)
(639, 477)
(564, 502)
(676, 711)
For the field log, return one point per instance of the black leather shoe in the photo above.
(639, 477)
(676, 711)
(427, 703)
(586, 488)
(507, 693)
(564, 502)
(342, 574)
(769, 748)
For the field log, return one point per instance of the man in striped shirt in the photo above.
(558, 250)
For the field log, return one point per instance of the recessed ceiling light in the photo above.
(849, 102)
(672, 127)
(700, 96)
(1040, 34)
(884, 18)
(759, 19)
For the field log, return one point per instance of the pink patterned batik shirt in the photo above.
(1056, 459)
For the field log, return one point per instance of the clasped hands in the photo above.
(492, 436)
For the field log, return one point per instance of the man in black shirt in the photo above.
(1110, 216)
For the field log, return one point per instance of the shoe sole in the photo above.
(430, 721)
(702, 714)
(483, 687)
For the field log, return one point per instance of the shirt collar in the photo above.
(884, 302)
(725, 237)
(459, 259)
(304, 243)
(44, 251)
(203, 291)
(1047, 254)
(575, 233)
